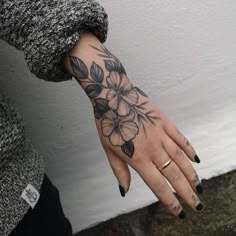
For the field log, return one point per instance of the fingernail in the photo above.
(182, 214)
(199, 188)
(199, 207)
(122, 190)
(197, 158)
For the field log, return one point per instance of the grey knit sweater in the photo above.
(44, 30)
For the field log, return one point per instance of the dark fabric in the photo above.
(47, 217)
(20, 164)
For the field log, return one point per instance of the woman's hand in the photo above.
(133, 131)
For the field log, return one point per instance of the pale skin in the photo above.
(132, 129)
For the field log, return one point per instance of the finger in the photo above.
(175, 134)
(121, 171)
(156, 182)
(178, 181)
(180, 158)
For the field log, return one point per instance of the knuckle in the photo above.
(161, 187)
(172, 128)
(162, 124)
(186, 142)
(179, 154)
(175, 174)
(139, 163)
(138, 159)
(176, 130)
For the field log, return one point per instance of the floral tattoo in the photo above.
(119, 111)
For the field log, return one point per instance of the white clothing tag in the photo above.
(30, 195)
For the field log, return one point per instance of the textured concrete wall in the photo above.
(182, 53)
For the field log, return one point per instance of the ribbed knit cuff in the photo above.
(56, 27)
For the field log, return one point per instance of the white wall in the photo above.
(182, 53)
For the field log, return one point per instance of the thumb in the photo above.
(121, 171)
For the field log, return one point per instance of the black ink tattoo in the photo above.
(187, 142)
(196, 180)
(174, 208)
(119, 111)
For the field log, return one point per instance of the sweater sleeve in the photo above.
(46, 29)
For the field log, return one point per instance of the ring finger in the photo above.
(180, 158)
(179, 182)
(155, 181)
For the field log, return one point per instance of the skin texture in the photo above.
(120, 112)
(132, 129)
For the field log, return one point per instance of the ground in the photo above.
(217, 219)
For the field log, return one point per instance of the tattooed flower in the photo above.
(119, 129)
(121, 94)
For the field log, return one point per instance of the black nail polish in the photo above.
(122, 191)
(182, 215)
(199, 188)
(199, 207)
(196, 158)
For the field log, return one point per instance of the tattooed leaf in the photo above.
(149, 112)
(100, 50)
(150, 117)
(111, 65)
(101, 103)
(79, 68)
(141, 106)
(101, 107)
(114, 66)
(104, 56)
(108, 52)
(96, 73)
(150, 120)
(141, 118)
(128, 148)
(97, 113)
(121, 68)
(93, 90)
(141, 92)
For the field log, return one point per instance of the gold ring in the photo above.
(165, 165)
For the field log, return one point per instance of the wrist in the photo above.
(82, 49)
